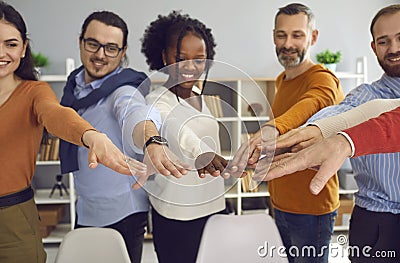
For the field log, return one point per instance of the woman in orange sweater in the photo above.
(27, 107)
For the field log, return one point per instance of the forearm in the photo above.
(143, 131)
(355, 116)
(66, 124)
(294, 117)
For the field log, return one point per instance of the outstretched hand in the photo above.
(102, 150)
(328, 155)
(212, 163)
(250, 151)
(160, 159)
(296, 139)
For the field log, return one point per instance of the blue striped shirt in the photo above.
(377, 175)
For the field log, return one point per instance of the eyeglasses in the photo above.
(92, 45)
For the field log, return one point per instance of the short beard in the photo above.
(289, 62)
(391, 71)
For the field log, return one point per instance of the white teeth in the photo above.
(188, 75)
(3, 63)
(395, 59)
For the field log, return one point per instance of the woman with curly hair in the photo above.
(182, 48)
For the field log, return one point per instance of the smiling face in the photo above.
(191, 60)
(12, 48)
(293, 38)
(97, 65)
(386, 44)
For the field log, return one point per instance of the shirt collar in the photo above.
(80, 80)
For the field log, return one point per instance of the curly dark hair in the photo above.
(165, 31)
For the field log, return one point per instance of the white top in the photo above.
(189, 133)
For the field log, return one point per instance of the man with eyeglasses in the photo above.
(111, 98)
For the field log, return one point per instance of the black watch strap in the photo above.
(155, 139)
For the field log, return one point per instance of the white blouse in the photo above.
(189, 133)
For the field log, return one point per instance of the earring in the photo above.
(23, 56)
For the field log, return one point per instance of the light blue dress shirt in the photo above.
(104, 196)
(377, 175)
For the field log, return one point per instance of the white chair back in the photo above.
(92, 244)
(245, 238)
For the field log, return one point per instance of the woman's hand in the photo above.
(212, 163)
(102, 150)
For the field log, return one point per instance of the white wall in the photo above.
(242, 29)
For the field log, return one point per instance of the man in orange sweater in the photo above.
(304, 220)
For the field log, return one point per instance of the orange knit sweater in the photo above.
(297, 100)
(32, 106)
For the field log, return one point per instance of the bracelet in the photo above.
(83, 143)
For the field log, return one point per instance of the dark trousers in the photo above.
(132, 229)
(374, 236)
(177, 241)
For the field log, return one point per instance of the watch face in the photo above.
(159, 139)
(155, 139)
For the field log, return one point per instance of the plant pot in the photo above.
(332, 66)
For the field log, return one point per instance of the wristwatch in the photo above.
(155, 139)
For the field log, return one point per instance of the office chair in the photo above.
(241, 238)
(92, 244)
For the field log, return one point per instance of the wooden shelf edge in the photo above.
(42, 197)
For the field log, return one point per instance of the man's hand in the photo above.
(296, 139)
(328, 154)
(212, 163)
(160, 159)
(250, 151)
(102, 150)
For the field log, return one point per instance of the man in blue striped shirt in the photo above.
(375, 222)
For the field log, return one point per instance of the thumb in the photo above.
(140, 181)
(320, 179)
(92, 159)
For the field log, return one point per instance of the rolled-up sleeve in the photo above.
(130, 109)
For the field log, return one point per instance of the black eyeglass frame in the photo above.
(104, 46)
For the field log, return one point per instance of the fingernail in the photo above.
(226, 175)
(91, 165)
(314, 189)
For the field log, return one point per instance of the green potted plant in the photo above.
(329, 58)
(39, 61)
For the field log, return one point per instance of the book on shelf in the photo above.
(49, 149)
(213, 103)
(248, 184)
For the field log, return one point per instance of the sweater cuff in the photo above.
(329, 128)
(353, 148)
